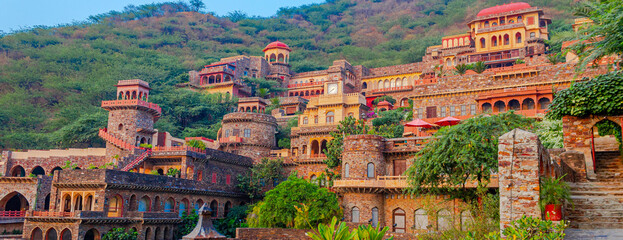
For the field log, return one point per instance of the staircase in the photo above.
(138, 160)
(598, 212)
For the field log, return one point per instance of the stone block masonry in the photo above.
(518, 168)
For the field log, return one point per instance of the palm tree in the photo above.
(262, 92)
(462, 68)
(553, 58)
(479, 67)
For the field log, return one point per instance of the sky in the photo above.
(16, 14)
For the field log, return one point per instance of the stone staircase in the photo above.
(598, 211)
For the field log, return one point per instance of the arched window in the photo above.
(18, 171)
(544, 103)
(486, 23)
(444, 220)
(527, 104)
(494, 24)
(483, 43)
(370, 170)
(66, 234)
(316, 119)
(494, 41)
(313, 178)
(120, 127)
(115, 206)
(379, 85)
(421, 219)
(364, 86)
(499, 106)
(532, 35)
(227, 208)
(51, 234)
(375, 217)
(183, 208)
(346, 170)
(466, 220)
(518, 38)
(354, 215)
(198, 204)
(514, 105)
(386, 83)
(169, 205)
(78, 203)
(280, 58)
(398, 82)
(214, 207)
(507, 39)
(227, 133)
(400, 221)
(88, 206)
(486, 107)
(519, 19)
(304, 120)
(133, 203)
(392, 83)
(36, 234)
(38, 171)
(330, 116)
(144, 205)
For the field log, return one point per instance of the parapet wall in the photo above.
(50, 160)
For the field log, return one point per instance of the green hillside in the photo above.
(53, 79)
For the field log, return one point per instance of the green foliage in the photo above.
(279, 207)
(189, 221)
(554, 58)
(462, 68)
(173, 172)
(145, 145)
(236, 218)
(602, 38)
(520, 61)
(196, 144)
(261, 87)
(478, 67)
(197, 5)
(388, 124)
(268, 172)
(602, 96)
(120, 234)
(69, 165)
(529, 228)
(283, 135)
(154, 172)
(388, 98)
(607, 127)
(461, 153)
(554, 191)
(550, 133)
(333, 231)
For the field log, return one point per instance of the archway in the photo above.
(144, 205)
(92, 234)
(167, 233)
(66, 234)
(514, 105)
(169, 205)
(148, 234)
(544, 103)
(314, 148)
(198, 204)
(38, 171)
(66, 203)
(51, 234)
(17, 171)
(115, 206)
(486, 107)
(46, 204)
(421, 219)
(399, 220)
(323, 146)
(157, 234)
(88, 206)
(157, 204)
(183, 207)
(78, 203)
(227, 208)
(14, 202)
(606, 138)
(214, 207)
(499, 106)
(527, 104)
(133, 203)
(55, 169)
(36, 234)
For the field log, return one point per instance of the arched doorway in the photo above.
(17, 171)
(514, 105)
(115, 206)
(544, 103)
(56, 169)
(214, 207)
(314, 148)
(499, 106)
(399, 220)
(157, 234)
(323, 147)
(606, 139)
(14, 202)
(46, 204)
(486, 108)
(78, 203)
(36, 234)
(144, 204)
(38, 171)
(66, 234)
(51, 234)
(148, 234)
(92, 234)
(527, 104)
(227, 208)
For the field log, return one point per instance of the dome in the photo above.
(277, 44)
(503, 8)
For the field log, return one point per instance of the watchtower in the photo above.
(131, 118)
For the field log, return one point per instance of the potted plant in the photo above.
(554, 192)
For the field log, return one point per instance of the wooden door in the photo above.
(400, 166)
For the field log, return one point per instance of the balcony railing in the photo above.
(12, 214)
(393, 89)
(132, 102)
(178, 148)
(51, 214)
(304, 84)
(494, 56)
(137, 161)
(320, 155)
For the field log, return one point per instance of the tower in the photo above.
(278, 56)
(131, 118)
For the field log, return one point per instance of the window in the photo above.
(444, 219)
(213, 177)
(483, 43)
(519, 19)
(452, 111)
(354, 215)
(246, 73)
(431, 112)
(346, 170)
(472, 109)
(530, 21)
(494, 41)
(247, 132)
(399, 220)
(330, 116)
(375, 217)
(421, 219)
(227, 133)
(463, 110)
(494, 24)
(371, 170)
(486, 23)
(316, 119)
(442, 111)
(532, 35)
(228, 179)
(518, 38)
(304, 120)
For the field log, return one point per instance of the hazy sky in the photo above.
(15, 14)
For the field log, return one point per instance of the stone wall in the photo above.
(28, 161)
(261, 140)
(361, 150)
(519, 155)
(271, 234)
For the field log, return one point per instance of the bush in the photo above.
(529, 228)
(120, 234)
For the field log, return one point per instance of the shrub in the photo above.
(528, 228)
(120, 234)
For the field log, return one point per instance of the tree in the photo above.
(120, 234)
(478, 67)
(197, 5)
(236, 218)
(554, 58)
(82, 132)
(261, 87)
(462, 153)
(603, 95)
(603, 38)
(189, 221)
(196, 144)
(279, 207)
(550, 133)
(462, 68)
(387, 98)
(269, 172)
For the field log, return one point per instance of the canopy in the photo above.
(418, 123)
(448, 121)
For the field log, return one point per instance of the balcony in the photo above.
(392, 89)
(297, 85)
(158, 149)
(500, 27)
(492, 57)
(50, 214)
(388, 184)
(12, 214)
(118, 104)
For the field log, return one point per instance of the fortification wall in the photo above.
(54, 159)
